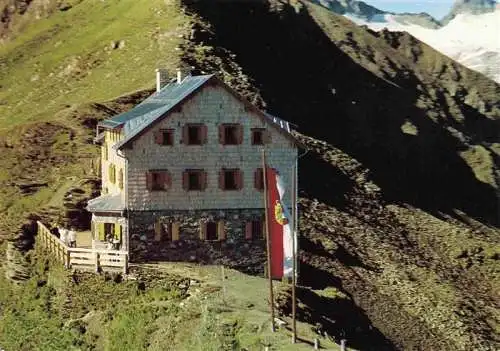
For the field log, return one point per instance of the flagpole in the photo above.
(268, 239)
(294, 268)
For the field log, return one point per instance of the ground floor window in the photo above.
(212, 230)
(254, 229)
(163, 231)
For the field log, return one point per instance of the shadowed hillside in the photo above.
(342, 85)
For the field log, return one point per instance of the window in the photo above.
(120, 178)
(254, 229)
(259, 179)
(260, 136)
(165, 137)
(212, 230)
(231, 179)
(194, 179)
(163, 231)
(112, 173)
(230, 134)
(158, 180)
(194, 134)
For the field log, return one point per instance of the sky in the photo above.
(436, 8)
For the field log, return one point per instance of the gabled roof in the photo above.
(146, 114)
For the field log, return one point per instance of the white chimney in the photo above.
(161, 78)
(179, 76)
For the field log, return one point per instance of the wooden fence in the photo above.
(73, 257)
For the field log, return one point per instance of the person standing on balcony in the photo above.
(72, 237)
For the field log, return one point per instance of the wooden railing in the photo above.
(96, 259)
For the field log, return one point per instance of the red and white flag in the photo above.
(280, 227)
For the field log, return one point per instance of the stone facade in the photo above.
(235, 250)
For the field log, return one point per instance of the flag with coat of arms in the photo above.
(280, 227)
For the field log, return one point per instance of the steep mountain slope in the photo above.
(399, 226)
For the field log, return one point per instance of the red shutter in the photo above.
(239, 179)
(221, 179)
(167, 179)
(248, 230)
(185, 180)
(204, 134)
(222, 135)
(158, 137)
(203, 180)
(149, 180)
(185, 135)
(240, 134)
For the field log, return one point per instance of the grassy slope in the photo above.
(58, 64)
(67, 58)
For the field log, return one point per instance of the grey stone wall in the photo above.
(235, 251)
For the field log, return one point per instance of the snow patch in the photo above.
(472, 40)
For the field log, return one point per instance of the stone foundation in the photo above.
(235, 251)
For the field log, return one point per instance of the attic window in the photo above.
(230, 134)
(259, 136)
(165, 137)
(195, 134)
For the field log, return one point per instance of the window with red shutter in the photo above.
(165, 137)
(194, 179)
(231, 134)
(258, 136)
(231, 179)
(158, 180)
(195, 134)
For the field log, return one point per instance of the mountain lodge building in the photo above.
(182, 172)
